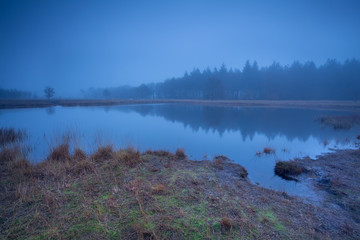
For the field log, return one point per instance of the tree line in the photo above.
(298, 81)
(15, 94)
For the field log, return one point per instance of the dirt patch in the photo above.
(337, 176)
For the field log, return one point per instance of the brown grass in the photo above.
(285, 169)
(158, 188)
(9, 154)
(60, 153)
(218, 161)
(79, 154)
(10, 135)
(87, 198)
(268, 150)
(130, 157)
(22, 167)
(83, 166)
(226, 223)
(180, 154)
(103, 153)
(160, 153)
(244, 173)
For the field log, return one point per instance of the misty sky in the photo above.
(74, 45)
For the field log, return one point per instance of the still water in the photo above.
(203, 131)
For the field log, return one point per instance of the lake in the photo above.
(203, 131)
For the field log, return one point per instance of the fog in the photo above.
(74, 45)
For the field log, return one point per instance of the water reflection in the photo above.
(291, 123)
(50, 110)
(201, 130)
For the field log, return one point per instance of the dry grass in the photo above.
(160, 153)
(83, 166)
(79, 154)
(118, 195)
(226, 223)
(285, 169)
(158, 188)
(129, 156)
(9, 153)
(219, 161)
(60, 153)
(180, 154)
(10, 135)
(268, 150)
(103, 153)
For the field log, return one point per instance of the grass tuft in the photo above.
(219, 161)
(160, 153)
(158, 188)
(180, 154)
(268, 150)
(285, 169)
(226, 223)
(10, 135)
(83, 166)
(103, 153)
(79, 154)
(60, 153)
(22, 167)
(130, 157)
(9, 154)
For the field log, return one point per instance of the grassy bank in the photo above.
(126, 194)
(316, 104)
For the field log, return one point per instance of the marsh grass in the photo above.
(129, 156)
(60, 153)
(10, 135)
(268, 150)
(180, 154)
(103, 153)
(79, 154)
(124, 194)
(286, 169)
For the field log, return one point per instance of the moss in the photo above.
(84, 228)
(269, 215)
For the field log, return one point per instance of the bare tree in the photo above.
(49, 92)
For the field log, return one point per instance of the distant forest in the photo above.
(298, 81)
(330, 81)
(15, 94)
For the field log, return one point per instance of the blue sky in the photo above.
(74, 45)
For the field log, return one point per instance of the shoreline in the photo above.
(311, 104)
(122, 193)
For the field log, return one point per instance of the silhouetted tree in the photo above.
(49, 92)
